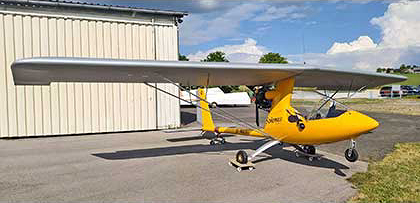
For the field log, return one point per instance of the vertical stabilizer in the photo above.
(203, 113)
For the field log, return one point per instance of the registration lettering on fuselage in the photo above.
(273, 120)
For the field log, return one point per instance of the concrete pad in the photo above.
(172, 165)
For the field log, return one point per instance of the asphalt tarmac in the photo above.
(180, 166)
(161, 166)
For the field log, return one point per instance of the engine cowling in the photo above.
(261, 101)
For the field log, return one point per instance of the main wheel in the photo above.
(351, 156)
(309, 149)
(212, 142)
(242, 157)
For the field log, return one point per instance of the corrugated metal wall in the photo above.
(75, 108)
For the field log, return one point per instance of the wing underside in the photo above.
(43, 71)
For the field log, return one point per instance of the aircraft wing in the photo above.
(44, 70)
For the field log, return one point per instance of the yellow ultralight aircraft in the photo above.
(284, 124)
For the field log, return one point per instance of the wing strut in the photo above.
(223, 111)
(246, 125)
(328, 98)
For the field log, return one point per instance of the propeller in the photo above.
(261, 102)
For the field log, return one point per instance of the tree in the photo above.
(182, 58)
(217, 56)
(379, 70)
(273, 58)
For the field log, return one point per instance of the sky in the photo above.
(353, 34)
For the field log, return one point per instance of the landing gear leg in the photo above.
(243, 161)
(218, 140)
(307, 151)
(351, 153)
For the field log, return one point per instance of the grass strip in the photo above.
(394, 179)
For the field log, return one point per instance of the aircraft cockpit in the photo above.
(321, 110)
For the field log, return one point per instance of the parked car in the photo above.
(387, 91)
(215, 96)
(411, 90)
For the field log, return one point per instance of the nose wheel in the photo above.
(308, 151)
(351, 153)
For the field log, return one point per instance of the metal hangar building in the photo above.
(30, 28)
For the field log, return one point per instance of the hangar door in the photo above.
(78, 108)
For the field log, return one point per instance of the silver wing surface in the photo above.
(43, 71)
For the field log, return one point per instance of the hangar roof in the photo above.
(91, 6)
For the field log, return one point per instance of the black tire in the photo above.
(242, 157)
(213, 105)
(212, 142)
(223, 141)
(309, 149)
(353, 156)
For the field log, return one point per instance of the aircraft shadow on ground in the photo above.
(206, 135)
(275, 152)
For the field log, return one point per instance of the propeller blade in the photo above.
(257, 116)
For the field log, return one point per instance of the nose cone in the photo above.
(368, 123)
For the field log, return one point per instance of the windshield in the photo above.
(318, 108)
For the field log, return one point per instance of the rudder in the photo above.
(203, 113)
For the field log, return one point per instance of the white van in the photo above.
(215, 96)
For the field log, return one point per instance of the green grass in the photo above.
(394, 179)
(361, 101)
(412, 79)
(344, 101)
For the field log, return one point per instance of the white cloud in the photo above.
(248, 52)
(400, 24)
(400, 43)
(198, 29)
(363, 43)
(281, 12)
(208, 4)
(201, 28)
(362, 60)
